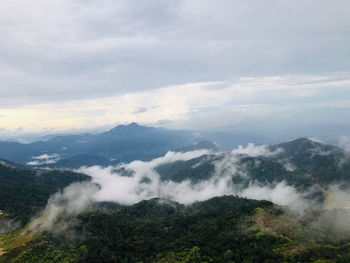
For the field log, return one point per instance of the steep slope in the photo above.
(322, 163)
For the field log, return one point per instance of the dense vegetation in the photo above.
(322, 163)
(24, 192)
(152, 230)
(222, 229)
(196, 169)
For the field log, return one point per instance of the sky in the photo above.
(268, 68)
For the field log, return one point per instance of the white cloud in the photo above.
(344, 142)
(44, 159)
(207, 105)
(231, 65)
(131, 189)
(73, 200)
(280, 193)
(143, 182)
(256, 150)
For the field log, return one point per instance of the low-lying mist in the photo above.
(143, 182)
(132, 182)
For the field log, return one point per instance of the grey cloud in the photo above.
(79, 49)
(8, 225)
(73, 200)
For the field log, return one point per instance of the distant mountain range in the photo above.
(302, 163)
(123, 143)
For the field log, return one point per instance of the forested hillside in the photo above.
(24, 192)
(222, 229)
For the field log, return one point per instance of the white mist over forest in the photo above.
(130, 183)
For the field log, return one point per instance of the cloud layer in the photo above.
(71, 48)
(130, 183)
(73, 63)
(290, 106)
(143, 182)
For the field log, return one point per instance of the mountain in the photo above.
(195, 170)
(130, 142)
(301, 163)
(322, 163)
(121, 144)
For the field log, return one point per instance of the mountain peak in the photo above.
(305, 142)
(130, 129)
(306, 145)
(133, 124)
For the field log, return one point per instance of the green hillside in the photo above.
(222, 229)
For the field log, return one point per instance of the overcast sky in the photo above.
(268, 66)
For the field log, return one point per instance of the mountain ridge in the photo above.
(122, 142)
